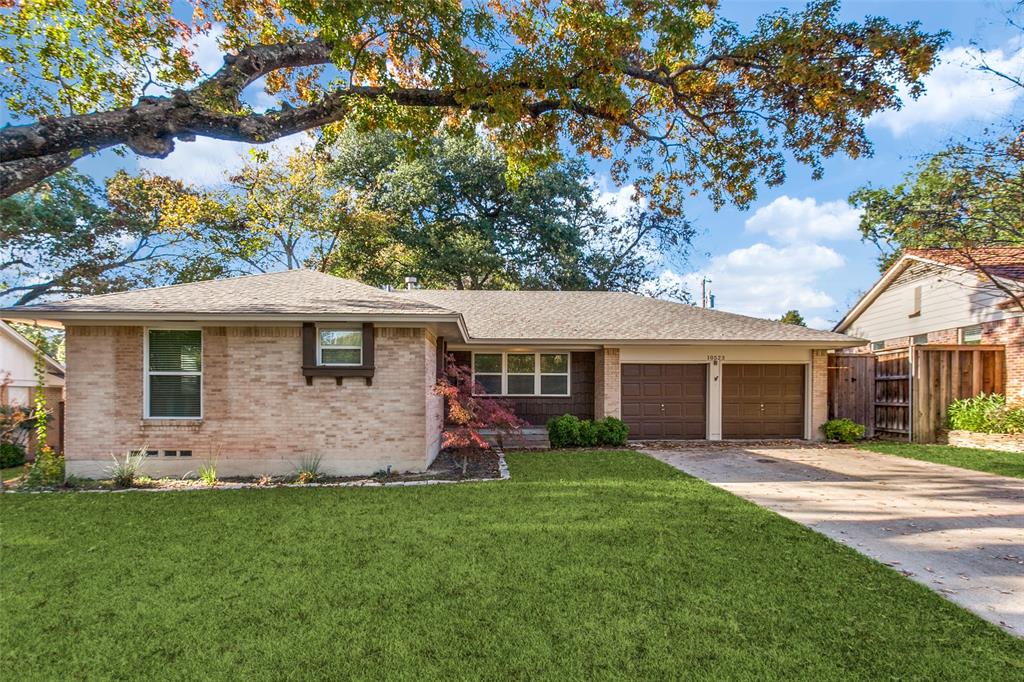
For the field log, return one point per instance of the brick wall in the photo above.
(1010, 333)
(1005, 442)
(259, 416)
(819, 392)
(607, 378)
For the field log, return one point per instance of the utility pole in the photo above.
(705, 296)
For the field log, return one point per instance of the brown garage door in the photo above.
(664, 401)
(762, 401)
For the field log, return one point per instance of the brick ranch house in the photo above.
(260, 371)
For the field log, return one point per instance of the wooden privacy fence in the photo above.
(942, 374)
(905, 393)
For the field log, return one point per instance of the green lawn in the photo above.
(990, 461)
(584, 565)
(11, 473)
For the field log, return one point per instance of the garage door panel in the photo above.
(664, 401)
(763, 401)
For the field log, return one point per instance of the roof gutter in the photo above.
(850, 342)
(58, 319)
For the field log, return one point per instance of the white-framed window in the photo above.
(339, 346)
(173, 374)
(971, 335)
(878, 345)
(522, 374)
(488, 372)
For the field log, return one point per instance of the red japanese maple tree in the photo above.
(469, 410)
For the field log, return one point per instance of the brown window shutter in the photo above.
(311, 365)
(368, 345)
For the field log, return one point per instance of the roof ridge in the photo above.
(186, 284)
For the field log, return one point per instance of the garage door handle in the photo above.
(663, 407)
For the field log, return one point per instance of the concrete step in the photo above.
(534, 438)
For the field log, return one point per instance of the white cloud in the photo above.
(765, 281)
(801, 220)
(819, 322)
(206, 52)
(206, 161)
(256, 96)
(957, 91)
(617, 201)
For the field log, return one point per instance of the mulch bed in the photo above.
(447, 466)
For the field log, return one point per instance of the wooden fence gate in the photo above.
(851, 383)
(905, 393)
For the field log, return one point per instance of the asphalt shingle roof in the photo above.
(600, 315)
(292, 292)
(1001, 261)
(489, 315)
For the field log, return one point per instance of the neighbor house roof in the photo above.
(292, 293)
(1003, 262)
(1000, 261)
(514, 316)
(481, 316)
(56, 367)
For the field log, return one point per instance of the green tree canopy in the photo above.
(70, 237)
(453, 220)
(965, 197)
(793, 317)
(677, 97)
(362, 208)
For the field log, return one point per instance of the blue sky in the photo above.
(798, 246)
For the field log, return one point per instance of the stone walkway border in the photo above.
(503, 475)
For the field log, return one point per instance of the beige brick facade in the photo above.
(607, 391)
(819, 392)
(259, 416)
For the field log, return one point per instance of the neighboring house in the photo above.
(261, 371)
(940, 296)
(18, 378)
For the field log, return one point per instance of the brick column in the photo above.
(819, 392)
(607, 393)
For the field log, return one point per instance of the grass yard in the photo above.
(11, 473)
(989, 461)
(584, 565)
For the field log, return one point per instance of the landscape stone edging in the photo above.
(503, 475)
(1004, 442)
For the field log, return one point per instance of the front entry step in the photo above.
(531, 438)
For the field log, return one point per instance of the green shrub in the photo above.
(1013, 419)
(46, 470)
(564, 431)
(569, 431)
(124, 471)
(590, 434)
(11, 455)
(208, 474)
(986, 413)
(842, 430)
(308, 470)
(615, 431)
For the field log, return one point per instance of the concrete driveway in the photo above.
(959, 532)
